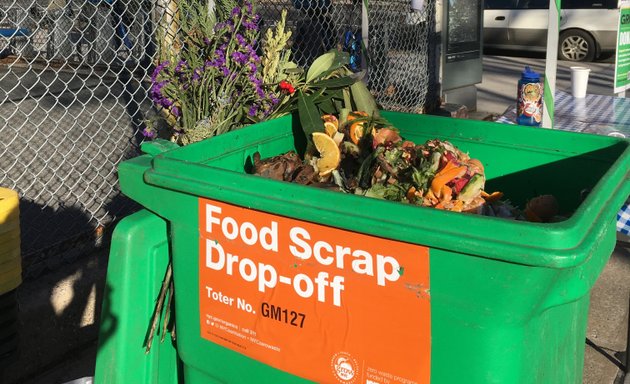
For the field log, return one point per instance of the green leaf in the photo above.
(339, 82)
(293, 70)
(287, 68)
(338, 105)
(336, 94)
(329, 61)
(343, 116)
(317, 95)
(310, 119)
(335, 73)
(365, 170)
(327, 107)
(347, 100)
(363, 99)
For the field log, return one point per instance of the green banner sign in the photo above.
(622, 57)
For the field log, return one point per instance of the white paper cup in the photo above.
(579, 81)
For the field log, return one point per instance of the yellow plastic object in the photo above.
(10, 260)
(9, 245)
(9, 210)
(10, 276)
(9, 255)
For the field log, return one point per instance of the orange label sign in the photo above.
(322, 303)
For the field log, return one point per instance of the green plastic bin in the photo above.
(138, 258)
(428, 296)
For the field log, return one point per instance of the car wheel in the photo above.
(576, 45)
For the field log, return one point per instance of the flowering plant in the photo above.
(218, 82)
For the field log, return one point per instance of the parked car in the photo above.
(588, 28)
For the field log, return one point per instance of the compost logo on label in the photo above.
(345, 367)
(322, 303)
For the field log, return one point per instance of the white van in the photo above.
(588, 28)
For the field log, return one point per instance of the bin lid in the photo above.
(214, 168)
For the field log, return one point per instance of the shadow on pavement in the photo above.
(59, 310)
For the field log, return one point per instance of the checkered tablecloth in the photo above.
(623, 219)
(603, 115)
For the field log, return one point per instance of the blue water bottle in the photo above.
(529, 104)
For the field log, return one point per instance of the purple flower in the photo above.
(250, 25)
(248, 6)
(241, 40)
(250, 21)
(220, 53)
(156, 94)
(228, 59)
(181, 66)
(157, 70)
(149, 133)
(240, 57)
(229, 25)
(256, 81)
(253, 110)
(260, 92)
(197, 74)
(219, 61)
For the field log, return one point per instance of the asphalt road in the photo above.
(502, 70)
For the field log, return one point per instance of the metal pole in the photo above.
(168, 23)
(365, 24)
(551, 63)
(628, 343)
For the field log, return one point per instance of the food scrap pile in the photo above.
(367, 156)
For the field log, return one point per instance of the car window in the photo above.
(533, 4)
(500, 4)
(589, 4)
(544, 4)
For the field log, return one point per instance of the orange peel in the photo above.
(329, 153)
(331, 124)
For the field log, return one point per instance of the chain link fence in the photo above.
(74, 80)
(400, 59)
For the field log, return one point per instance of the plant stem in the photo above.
(166, 283)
